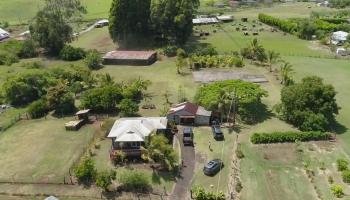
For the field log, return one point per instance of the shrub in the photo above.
(201, 194)
(346, 176)
(104, 179)
(70, 53)
(85, 171)
(337, 191)
(330, 180)
(239, 154)
(239, 186)
(284, 25)
(135, 181)
(8, 59)
(38, 109)
(118, 157)
(342, 164)
(206, 51)
(28, 50)
(280, 137)
(128, 107)
(33, 65)
(93, 59)
(170, 50)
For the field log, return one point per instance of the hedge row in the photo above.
(335, 20)
(280, 137)
(284, 25)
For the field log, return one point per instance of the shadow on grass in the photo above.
(338, 128)
(259, 114)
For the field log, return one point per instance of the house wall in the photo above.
(202, 120)
(176, 116)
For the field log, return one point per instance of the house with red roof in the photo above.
(189, 113)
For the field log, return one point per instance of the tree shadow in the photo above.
(111, 195)
(261, 113)
(338, 128)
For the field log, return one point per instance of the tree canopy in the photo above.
(218, 96)
(133, 20)
(309, 105)
(51, 27)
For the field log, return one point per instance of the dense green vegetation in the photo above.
(309, 105)
(169, 21)
(281, 137)
(223, 95)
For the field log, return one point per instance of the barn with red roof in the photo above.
(130, 58)
(189, 113)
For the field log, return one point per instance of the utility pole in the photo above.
(233, 102)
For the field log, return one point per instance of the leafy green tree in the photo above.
(128, 107)
(101, 99)
(104, 179)
(129, 21)
(248, 96)
(51, 26)
(309, 105)
(60, 99)
(93, 59)
(25, 87)
(135, 89)
(38, 109)
(307, 29)
(28, 50)
(70, 53)
(159, 150)
(86, 171)
(172, 20)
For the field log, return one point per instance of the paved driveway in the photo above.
(182, 186)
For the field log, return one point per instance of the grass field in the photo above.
(221, 150)
(22, 11)
(40, 150)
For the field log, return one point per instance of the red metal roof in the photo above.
(129, 55)
(187, 106)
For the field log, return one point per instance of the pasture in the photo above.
(41, 150)
(221, 150)
(22, 11)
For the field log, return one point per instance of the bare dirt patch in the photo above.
(206, 76)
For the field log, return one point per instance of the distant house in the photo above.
(189, 113)
(4, 34)
(339, 37)
(129, 134)
(130, 58)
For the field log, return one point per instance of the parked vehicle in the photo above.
(187, 136)
(213, 167)
(217, 133)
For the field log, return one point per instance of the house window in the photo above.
(135, 144)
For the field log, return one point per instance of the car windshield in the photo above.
(187, 134)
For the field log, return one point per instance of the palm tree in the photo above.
(223, 103)
(286, 73)
(272, 58)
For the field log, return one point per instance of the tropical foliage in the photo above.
(309, 105)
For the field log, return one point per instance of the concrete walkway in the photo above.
(182, 185)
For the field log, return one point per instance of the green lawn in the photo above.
(95, 39)
(40, 150)
(21, 11)
(164, 78)
(221, 150)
